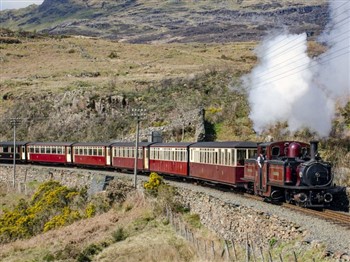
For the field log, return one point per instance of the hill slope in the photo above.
(140, 21)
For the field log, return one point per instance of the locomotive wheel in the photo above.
(287, 197)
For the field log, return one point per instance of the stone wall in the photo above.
(93, 179)
(235, 222)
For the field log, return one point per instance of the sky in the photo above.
(15, 4)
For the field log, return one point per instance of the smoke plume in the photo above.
(287, 85)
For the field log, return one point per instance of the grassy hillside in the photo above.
(82, 89)
(136, 228)
(93, 80)
(140, 21)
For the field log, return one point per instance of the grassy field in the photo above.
(55, 65)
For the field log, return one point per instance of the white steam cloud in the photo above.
(289, 86)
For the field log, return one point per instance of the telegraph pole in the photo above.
(138, 114)
(14, 122)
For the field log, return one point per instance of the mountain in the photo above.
(141, 21)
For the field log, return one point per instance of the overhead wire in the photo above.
(337, 23)
(283, 75)
(291, 62)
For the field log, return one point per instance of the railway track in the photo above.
(334, 217)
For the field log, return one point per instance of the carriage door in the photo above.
(146, 158)
(23, 153)
(69, 154)
(108, 156)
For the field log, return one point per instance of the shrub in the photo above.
(52, 205)
(113, 54)
(86, 254)
(117, 191)
(90, 210)
(119, 235)
(153, 183)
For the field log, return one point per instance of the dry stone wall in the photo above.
(236, 222)
(94, 180)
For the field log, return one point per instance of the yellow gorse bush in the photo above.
(154, 182)
(53, 205)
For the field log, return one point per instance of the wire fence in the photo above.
(226, 249)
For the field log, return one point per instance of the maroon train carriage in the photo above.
(6, 151)
(92, 154)
(170, 158)
(123, 156)
(220, 162)
(49, 152)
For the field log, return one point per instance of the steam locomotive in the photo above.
(291, 171)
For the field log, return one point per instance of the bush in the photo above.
(119, 235)
(52, 205)
(153, 183)
(88, 252)
(117, 191)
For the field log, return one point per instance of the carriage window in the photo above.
(54, 150)
(252, 153)
(275, 151)
(241, 155)
(140, 153)
(90, 151)
(100, 153)
(48, 150)
(42, 150)
(31, 149)
(59, 150)
(94, 152)
(37, 150)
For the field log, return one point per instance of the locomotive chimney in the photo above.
(313, 149)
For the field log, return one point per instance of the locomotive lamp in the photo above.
(139, 114)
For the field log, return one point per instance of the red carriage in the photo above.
(49, 152)
(123, 155)
(220, 162)
(7, 151)
(170, 158)
(92, 154)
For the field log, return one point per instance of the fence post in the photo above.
(295, 257)
(234, 249)
(253, 251)
(205, 248)
(270, 257)
(213, 248)
(227, 251)
(281, 259)
(247, 249)
(262, 254)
